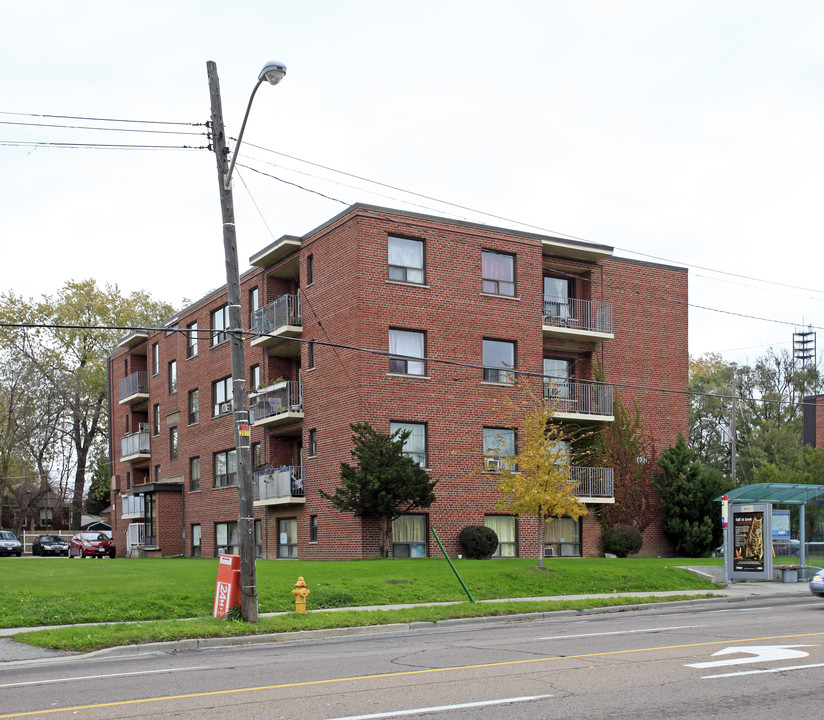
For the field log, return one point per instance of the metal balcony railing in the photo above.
(284, 311)
(590, 315)
(286, 481)
(579, 397)
(138, 443)
(593, 481)
(283, 397)
(137, 382)
(132, 505)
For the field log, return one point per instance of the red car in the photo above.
(91, 544)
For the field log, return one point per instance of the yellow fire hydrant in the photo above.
(300, 592)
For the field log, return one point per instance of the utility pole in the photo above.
(240, 409)
(733, 448)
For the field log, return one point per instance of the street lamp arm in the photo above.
(228, 177)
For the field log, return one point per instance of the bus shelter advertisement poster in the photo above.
(748, 541)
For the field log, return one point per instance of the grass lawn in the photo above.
(58, 591)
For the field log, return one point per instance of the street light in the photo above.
(272, 72)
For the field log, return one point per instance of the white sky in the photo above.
(688, 131)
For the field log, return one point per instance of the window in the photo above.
(149, 518)
(415, 445)
(313, 528)
(157, 475)
(220, 323)
(222, 396)
(191, 340)
(287, 537)
(310, 269)
(226, 538)
(173, 440)
(173, 377)
(256, 463)
(558, 299)
(562, 537)
(505, 528)
(499, 444)
(558, 372)
(313, 443)
(412, 344)
(406, 260)
(498, 271)
(254, 377)
(498, 354)
(156, 420)
(194, 406)
(194, 473)
(254, 304)
(196, 539)
(409, 536)
(225, 465)
(311, 355)
(155, 359)
(258, 539)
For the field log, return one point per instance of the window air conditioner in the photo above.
(549, 552)
(143, 427)
(225, 407)
(492, 464)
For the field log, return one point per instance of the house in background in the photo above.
(454, 308)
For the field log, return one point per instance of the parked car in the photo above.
(91, 544)
(817, 584)
(49, 545)
(9, 544)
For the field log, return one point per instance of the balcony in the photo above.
(579, 400)
(278, 405)
(134, 389)
(132, 507)
(274, 324)
(279, 486)
(587, 320)
(136, 446)
(593, 485)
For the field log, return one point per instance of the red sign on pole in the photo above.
(227, 590)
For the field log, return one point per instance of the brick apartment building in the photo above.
(428, 290)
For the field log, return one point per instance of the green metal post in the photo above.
(454, 569)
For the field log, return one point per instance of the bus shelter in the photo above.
(747, 518)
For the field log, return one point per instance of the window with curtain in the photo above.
(406, 260)
(562, 537)
(415, 445)
(409, 536)
(226, 538)
(498, 360)
(558, 295)
(412, 344)
(505, 528)
(196, 540)
(287, 537)
(498, 271)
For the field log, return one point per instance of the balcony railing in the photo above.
(578, 397)
(283, 482)
(586, 315)
(138, 443)
(279, 399)
(593, 482)
(132, 506)
(135, 535)
(135, 384)
(284, 311)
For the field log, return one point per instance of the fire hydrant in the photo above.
(300, 592)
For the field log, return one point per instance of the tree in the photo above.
(383, 483)
(536, 480)
(692, 520)
(99, 496)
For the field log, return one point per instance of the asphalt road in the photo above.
(755, 660)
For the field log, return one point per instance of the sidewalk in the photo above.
(11, 651)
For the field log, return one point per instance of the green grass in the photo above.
(58, 591)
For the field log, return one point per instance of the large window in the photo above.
(220, 322)
(498, 270)
(287, 537)
(562, 536)
(409, 536)
(415, 445)
(225, 465)
(411, 344)
(557, 372)
(172, 377)
(499, 360)
(194, 473)
(499, 444)
(226, 538)
(173, 442)
(194, 406)
(222, 396)
(196, 540)
(191, 340)
(505, 528)
(406, 259)
(558, 295)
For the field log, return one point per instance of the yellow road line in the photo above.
(403, 673)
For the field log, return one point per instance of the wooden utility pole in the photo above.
(240, 408)
(733, 445)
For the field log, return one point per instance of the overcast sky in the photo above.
(681, 132)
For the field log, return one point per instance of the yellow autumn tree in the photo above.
(536, 479)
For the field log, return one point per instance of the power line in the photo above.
(103, 129)
(99, 146)
(98, 119)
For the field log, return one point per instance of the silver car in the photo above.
(817, 584)
(9, 544)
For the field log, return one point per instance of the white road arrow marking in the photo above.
(762, 653)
